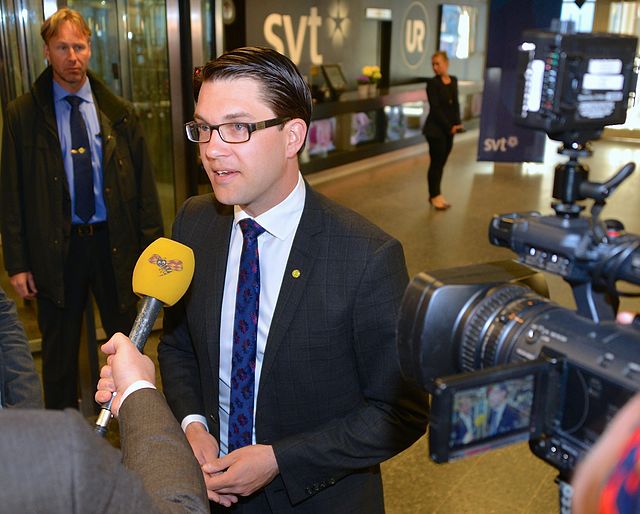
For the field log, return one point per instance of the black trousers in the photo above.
(87, 268)
(439, 150)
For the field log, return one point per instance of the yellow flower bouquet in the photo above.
(370, 75)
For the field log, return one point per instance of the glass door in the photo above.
(20, 22)
(129, 52)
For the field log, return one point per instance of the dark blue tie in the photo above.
(81, 155)
(245, 335)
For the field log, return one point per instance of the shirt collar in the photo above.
(85, 92)
(281, 220)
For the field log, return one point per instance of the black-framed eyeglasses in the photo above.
(234, 132)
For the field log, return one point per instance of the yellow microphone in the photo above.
(161, 277)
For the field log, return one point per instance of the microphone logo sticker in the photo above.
(165, 266)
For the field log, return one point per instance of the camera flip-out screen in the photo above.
(494, 407)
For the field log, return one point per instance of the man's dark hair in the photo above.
(282, 86)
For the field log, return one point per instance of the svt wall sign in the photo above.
(288, 37)
(318, 32)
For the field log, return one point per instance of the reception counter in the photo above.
(353, 128)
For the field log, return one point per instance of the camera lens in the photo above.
(493, 325)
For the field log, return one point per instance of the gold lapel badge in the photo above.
(295, 273)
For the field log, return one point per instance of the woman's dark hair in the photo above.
(283, 87)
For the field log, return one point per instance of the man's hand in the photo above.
(25, 285)
(242, 472)
(206, 449)
(125, 365)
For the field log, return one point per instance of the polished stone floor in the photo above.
(391, 191)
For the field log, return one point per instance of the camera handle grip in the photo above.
(601, 191)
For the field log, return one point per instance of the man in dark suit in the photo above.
(502, 416)
(52, 462)
(463, 428)
(79, 201)
(324, 401)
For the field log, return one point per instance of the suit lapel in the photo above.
(216, 251)
(300, 265)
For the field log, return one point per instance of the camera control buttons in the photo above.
(632, 371)
(531, 336)
(606, 359)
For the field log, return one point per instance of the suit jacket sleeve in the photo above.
(154, 446)
(52, 462)
(19, 381)
(392, 414)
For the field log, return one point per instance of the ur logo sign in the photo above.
(414, 36)
(414, 31)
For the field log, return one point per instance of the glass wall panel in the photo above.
(149, 69)
(20, 46)
(208, 32)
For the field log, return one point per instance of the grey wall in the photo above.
(336, 31)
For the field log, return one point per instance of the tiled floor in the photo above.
(393, 195)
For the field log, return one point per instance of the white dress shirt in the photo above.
(274, 245)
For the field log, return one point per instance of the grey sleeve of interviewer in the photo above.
(19, 382)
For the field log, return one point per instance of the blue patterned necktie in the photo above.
(245, 334)
(81, 154)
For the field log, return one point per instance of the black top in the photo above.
(444, 108)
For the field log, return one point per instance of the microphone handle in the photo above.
(145, 319)
(140, 331)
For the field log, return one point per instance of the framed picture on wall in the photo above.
(334, 78)
(457, 30)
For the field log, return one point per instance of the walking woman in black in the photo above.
(442, 124)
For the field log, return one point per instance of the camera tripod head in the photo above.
(571, 182)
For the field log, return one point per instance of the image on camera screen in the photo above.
(501, 410)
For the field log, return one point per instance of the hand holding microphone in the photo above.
(161, 277)
(125, 366)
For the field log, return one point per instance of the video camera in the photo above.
(502, 362)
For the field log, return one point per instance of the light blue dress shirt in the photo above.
(90, 116)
